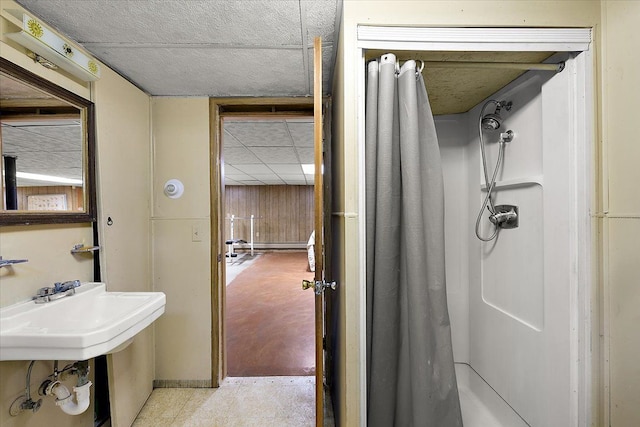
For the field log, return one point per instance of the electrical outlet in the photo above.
(195, 234)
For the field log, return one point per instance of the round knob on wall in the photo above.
(173, 188)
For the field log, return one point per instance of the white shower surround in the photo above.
(514, 343)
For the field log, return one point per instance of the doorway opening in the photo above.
(268, 219)
(261, 145)
(290, 113)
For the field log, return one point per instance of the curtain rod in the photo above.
(503, 65)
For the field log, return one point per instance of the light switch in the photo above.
(195, 234)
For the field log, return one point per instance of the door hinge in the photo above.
(318, 286)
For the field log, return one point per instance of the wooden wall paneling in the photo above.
(283, 213)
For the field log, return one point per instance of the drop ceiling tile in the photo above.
(237, 176)
(239, 155)
(250, 182)
(253, 168)
(260, 133)
(286, 168)
(229, 140)
(265, 177)
(306, 154)
(256, 22)
(276, 154)
(228, 181)
(272, 182)
(302, 134)
(229, 169)
(206, 71)
(320, 19)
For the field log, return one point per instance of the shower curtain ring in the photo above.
(397, 66)
(419, 71)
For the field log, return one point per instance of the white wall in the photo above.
(124, 188)
(182, 265)
(454, 142)
(619, 216)
(521, 285)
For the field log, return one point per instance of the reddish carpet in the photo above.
(270, 319)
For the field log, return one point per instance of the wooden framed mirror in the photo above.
(47, 141)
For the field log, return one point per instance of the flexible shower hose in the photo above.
(488, 202)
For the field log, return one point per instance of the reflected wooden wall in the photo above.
(283, 214)
(75, 201)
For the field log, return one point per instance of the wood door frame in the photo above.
(219, 108)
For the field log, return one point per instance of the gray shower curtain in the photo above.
(411, 380)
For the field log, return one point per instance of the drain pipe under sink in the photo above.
(64, 398)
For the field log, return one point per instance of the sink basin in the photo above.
(77, 327)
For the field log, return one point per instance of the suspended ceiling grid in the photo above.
(203, 47)
(267, 152)
(248, 48)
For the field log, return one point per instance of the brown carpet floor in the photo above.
(270, 319)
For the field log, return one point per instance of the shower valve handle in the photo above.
(505, 216)
(506, 136)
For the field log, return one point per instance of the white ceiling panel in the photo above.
(239, 155)
(320, 19)
(228, 169)
(254, 168)
(302, 134)
(177, 21)
(276, 154)
(260, 133)
(265, 177)
(202, 47)
(229, 140)
(305, 154)
(221, 48)
(201, 71)
(237, 177)
(276, 165)
(286, 168)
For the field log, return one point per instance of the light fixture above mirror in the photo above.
(51, 50)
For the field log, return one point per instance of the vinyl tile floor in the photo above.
(246, 402)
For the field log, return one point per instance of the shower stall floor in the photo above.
(481, 405)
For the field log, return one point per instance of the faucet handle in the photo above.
(65, 286)
(43, 292)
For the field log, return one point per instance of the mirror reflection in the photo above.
(45, 152)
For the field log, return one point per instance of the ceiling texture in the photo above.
(221, 48)
(250, 48)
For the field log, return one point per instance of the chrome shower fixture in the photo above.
(493, 121)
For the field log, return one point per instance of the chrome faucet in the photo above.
(57, 291)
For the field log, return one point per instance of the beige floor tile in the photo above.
(239, 402)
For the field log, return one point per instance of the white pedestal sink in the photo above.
(77, 327)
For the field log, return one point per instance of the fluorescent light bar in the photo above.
(48, 178)
(310, 168)
(39, 39)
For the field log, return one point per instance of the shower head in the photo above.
(491, 121)
(494, 121)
